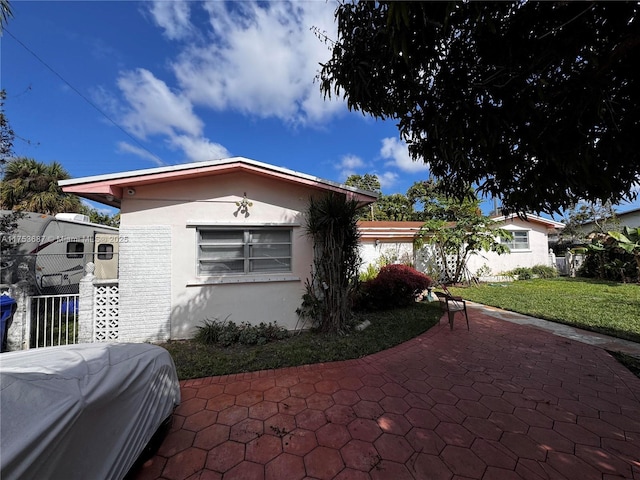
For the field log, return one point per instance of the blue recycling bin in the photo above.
(7, 309)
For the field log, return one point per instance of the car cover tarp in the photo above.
(82, 411)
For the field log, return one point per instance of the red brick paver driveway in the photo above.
(502, 401)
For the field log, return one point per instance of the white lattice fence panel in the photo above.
(106, 313)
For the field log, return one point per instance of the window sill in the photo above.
(523, 250)
(267, 278)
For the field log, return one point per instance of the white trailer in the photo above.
(52, 251)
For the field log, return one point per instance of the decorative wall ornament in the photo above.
(243, 206)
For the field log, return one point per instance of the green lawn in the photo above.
(605, 307)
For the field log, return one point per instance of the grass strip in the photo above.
(388, 328)
(605, 307)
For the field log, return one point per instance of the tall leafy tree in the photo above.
(8, 221)
(537, 103)
(601, 217)
(395, 207)
(6, 132)
(32, 186)
(368, 181)
(95, 216)
(456, 229)
(371, 183)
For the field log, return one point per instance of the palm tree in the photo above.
(32, 186)
(5, 12)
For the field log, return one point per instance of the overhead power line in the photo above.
(52, 70)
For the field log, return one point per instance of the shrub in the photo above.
(544, 271)
(395, 286)
(523, 273)
(210, 331)
(225, 333)
(539, 271)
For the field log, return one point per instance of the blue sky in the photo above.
(110, 86)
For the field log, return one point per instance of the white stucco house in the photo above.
(387, 239)
(216, 239)
(529, 246)
(628, 218)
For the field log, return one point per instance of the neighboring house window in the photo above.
(520, 240)
(75, 249)
(243, 251)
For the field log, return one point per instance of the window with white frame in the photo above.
(223, 251)
(520, 240)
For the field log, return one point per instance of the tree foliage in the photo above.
(368, 181)
(6, 132)
(5, 13)
(456, 230)
(95, 216)
(32, 186)
(537, 103)
(600, 215)
(629, 241)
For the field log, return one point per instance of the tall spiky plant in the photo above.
(332, 224)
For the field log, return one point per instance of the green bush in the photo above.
(225, 333)
(544, 271)
(395, 286)
(523, 273)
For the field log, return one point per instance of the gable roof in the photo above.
(389, 230)
(109, 188)
(552, 224)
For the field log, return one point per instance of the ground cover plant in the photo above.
(606, 307)
(195, 359)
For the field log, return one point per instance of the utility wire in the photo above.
(117, 125)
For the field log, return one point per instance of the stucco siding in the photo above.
(183, 206)
(371, 254)
(537, 254)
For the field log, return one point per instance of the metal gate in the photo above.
(53, 320)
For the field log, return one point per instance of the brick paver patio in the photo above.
(502, 401)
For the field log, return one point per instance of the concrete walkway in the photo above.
(583, 336)
(505, 400)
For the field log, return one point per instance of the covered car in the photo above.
(82, 411)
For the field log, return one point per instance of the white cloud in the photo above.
(125, 147)
(153, 108)
(387, 179)
(262, 60)
(172, 17)
(395, 150)
(259, 58)
(348, 165)
(198, 149)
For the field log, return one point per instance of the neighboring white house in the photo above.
(630, 218)
(209, 240)
(529, 247)
(387, 241)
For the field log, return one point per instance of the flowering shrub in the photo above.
(395, 286)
